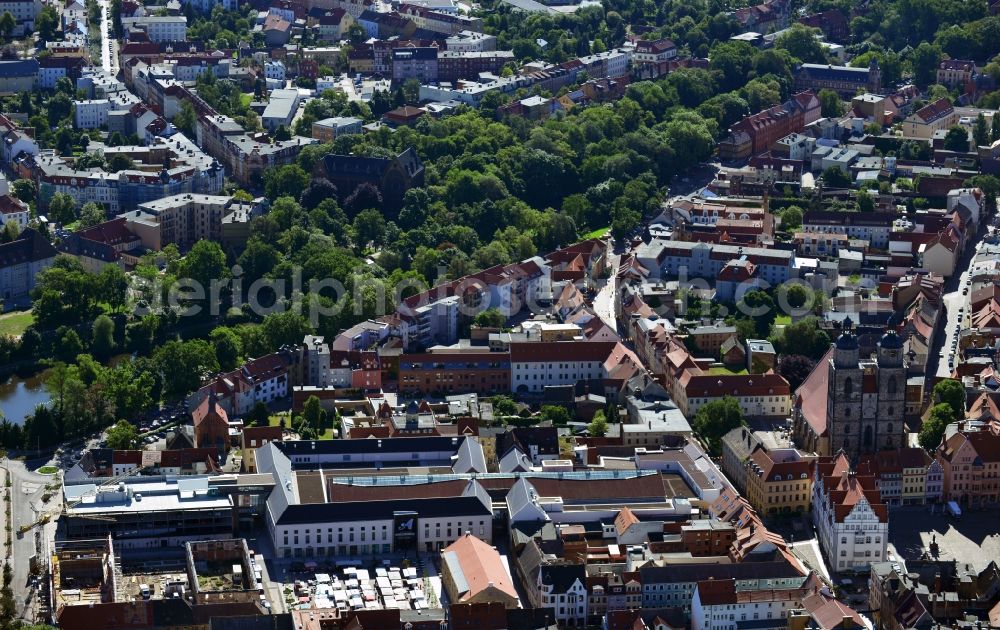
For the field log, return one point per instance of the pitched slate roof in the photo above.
(29, 246)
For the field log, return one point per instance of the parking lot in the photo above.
(347, 585)
(972, 539)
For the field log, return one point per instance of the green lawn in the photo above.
(48, 470)
(15, 323)
(782, 320)
(716, 371)
(276, 418)
(598, 233)
(245, 99)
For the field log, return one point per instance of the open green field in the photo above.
(14, 324)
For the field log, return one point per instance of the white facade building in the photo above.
(537, 365)
(167, 28)
(310, 520)
(718, 605)
(851, 521)
(91, 114)
(561, 587)
(274, 70)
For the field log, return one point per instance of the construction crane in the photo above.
(67, 505)
(107, 483)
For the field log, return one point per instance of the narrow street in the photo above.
(953, 300)
(604, 301)
(108, 58)
(26, 490)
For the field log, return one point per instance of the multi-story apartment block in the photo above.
(689, 259)
(845, 80)
(956, 72)
(929, 119)
(316, 362)
(779, 481)
(452, 65)
(759, 395)
(274, 69)
(190, 171)
(671, 585)
(445, 372)
(851, 520)
(92, 114)
(415, 63)
(470, 41)
(168, 28)
(12, 209)
(181, 219)
(820, 243)
(765, 128)
(721, 605)
(21, 260)
(440, 22)
(874, 227)
(24, 13)
(537, 365)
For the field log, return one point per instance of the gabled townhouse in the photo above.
(16, 143)
(654, 51)
(851, 519)
(563, 588)
(264, 379)
(970, 463)
(12, 209)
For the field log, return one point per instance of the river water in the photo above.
(20, 396)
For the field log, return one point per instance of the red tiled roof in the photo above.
(481, 566)
(957, 64)
(937, 109)
(261, 434)
(828, 613)
(548, 351)
(266, 367)
(811, 396)
(111, 232)
(717, 592)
